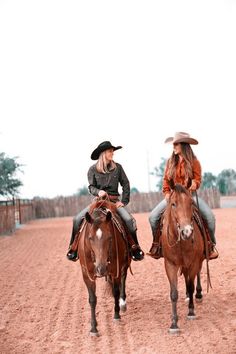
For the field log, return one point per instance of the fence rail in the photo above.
(21, 211)
(139, 203)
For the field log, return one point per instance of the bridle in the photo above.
(177, 226)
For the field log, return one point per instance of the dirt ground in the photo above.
(44, 304)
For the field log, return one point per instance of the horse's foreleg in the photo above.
(186, 277)
(171, 272)
(91, 286)
(122, 300)
(198, 288)
(190, 288)
(116, 294)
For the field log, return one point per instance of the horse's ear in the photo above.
(88, 218)
(171, 183)
(109, 216)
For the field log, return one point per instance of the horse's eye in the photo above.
(90, 238)
(173, 205)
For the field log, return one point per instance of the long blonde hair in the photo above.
(188, 157)
(102, 165)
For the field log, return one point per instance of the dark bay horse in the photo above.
(183, 248)
(103, 252)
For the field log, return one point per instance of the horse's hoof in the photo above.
(199, 300)
(116, 319)
(191, 317)
(174, 330)
(94, 334)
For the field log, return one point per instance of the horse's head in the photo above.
(181, 209)
(100, 239)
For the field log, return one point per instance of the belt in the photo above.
(113, 197)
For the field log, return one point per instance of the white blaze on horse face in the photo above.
(99, 234)
(187, 231)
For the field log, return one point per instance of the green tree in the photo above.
(134, 190)
(226, 182)
(208, 180)
(159, 173)
(9, 185)
(83, 191)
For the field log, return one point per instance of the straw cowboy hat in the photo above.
(181, 137)
(105, 145)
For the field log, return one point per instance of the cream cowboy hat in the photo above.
(181, 137)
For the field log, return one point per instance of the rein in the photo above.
(85, 266)
(116, 246)
(117, 255)
(168, 237)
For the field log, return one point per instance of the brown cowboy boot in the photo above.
(72, 254)
(213, 253)
(155, 250)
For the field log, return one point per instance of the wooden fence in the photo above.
(7, 217)
(60, 206)
(15, 212)
(139, 203)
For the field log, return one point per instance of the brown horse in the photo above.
(103, 252)
(183, 248)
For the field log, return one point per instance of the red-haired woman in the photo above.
(182, 167)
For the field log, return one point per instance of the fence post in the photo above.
(19, 208)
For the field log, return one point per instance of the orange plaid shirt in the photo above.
(180, 175)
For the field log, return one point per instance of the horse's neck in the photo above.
(171, 224)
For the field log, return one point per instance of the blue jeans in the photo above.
(205, 210)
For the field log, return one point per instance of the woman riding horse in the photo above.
(104, 178)
(183, 249)
(103, 252)
(182, 167)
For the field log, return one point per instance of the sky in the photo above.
(76, 73)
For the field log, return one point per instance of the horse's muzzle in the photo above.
(101, 270)
(186, 232)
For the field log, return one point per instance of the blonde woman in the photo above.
(182, 167)
(104, 178)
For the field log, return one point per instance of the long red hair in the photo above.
(188, 157)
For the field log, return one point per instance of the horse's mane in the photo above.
(102, 204)
(180, 189)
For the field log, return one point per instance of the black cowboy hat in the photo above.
(105, 145)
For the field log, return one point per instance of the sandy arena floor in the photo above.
(44, 304)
